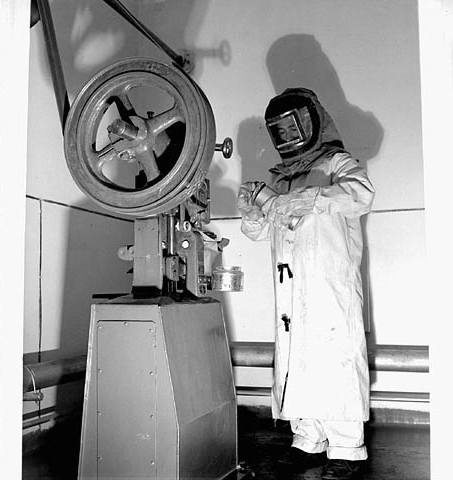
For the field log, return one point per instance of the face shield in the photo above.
(293, 123)
(290, 130)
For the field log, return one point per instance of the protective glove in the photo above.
(245, 195)
(286, 211)
(245, 205)
(284, 222)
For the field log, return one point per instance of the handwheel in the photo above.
(139, 137)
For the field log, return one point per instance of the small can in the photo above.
(227, 279)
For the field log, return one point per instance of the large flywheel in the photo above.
(140, 137)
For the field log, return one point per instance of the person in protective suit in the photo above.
(311, 214)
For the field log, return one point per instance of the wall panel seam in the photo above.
(394, 210)
(80, 209)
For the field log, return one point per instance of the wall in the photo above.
(362, 59)
(14, 29)
(436, 27)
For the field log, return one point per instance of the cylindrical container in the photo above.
(227, 279)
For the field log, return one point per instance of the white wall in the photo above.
(14, 30)
(436, 27)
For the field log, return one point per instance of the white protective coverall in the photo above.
(320, 363)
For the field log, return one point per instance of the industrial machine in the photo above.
(159, 397)
(160, 400)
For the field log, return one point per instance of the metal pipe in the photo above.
(252, 354)
(385, 407)
(48, 415)
(33, 397)
(375, 396)
(33, 422)
(391, 358)
(47, 374)
(400, 358)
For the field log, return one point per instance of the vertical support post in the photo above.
(148, 258)
(14, 58)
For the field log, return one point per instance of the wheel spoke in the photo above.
(124, 106)
(164, 120)
(149, 166)
(100, 158)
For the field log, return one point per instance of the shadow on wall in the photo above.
(298, 61)
(91, 35)
(229, 196)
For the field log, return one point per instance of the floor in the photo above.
(395, 452)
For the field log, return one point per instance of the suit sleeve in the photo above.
(351, 194)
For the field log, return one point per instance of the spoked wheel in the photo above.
(139, 137)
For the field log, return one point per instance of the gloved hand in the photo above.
(288, 210)
(284, 222)
(248, 210)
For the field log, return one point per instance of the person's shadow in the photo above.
(298, 60)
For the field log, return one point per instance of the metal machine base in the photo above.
(160, 401)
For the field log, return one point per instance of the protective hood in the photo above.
(326, 142)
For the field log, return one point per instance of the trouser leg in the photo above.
(308, 435)
(341, 439)
(346, 440)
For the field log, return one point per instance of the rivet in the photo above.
(151, 462)
(99, 457)
(99, 370)
(126, 324)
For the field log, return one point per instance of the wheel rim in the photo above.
(168, 183)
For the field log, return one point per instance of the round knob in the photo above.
(226, 147)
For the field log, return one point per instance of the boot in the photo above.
(295, 461)
(338, 469)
